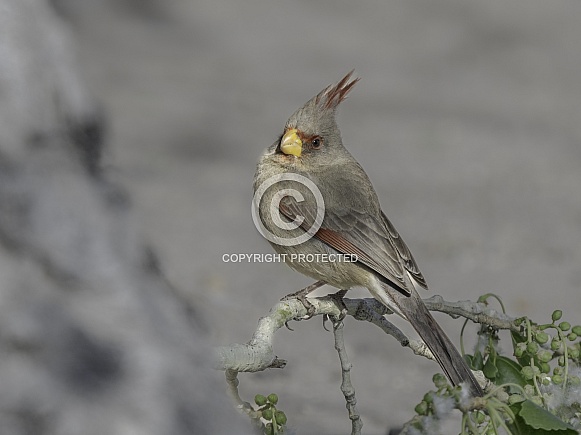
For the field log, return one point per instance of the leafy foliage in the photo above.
(536, 392)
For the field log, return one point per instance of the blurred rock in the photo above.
(93, 339)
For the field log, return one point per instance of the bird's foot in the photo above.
(338, 298)
(301, 295)
(302, 298)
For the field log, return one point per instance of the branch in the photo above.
(476, 311)
(346, 386)
(258, 355)
(242, 406)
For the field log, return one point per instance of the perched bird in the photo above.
(316, 202)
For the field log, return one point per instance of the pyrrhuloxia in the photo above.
(352, 222)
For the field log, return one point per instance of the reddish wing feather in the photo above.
(338, 242)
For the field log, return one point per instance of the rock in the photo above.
(93, 338)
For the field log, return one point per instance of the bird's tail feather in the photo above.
(446, 354)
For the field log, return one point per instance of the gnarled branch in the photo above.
(258, 355)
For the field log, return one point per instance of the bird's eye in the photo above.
(316, 143)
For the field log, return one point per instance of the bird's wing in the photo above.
(374, 241)
(404, 252)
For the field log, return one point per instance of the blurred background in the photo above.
(467, 120)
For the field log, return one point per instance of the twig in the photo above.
(346, 386)
(475, 311)
(241, 406)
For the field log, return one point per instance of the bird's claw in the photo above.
(311, 310)
(325, 320)
(301, 296)
(338, 298)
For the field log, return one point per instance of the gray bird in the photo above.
(342, 215)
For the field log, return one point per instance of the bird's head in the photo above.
(311, 134)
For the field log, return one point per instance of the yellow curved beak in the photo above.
(291, 143)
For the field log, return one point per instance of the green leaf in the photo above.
(519, 427)
(489, 369)
(542, 420)
(518, 338)
(477, 362)
(468, 358)
(508, 372)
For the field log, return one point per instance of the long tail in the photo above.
(452, 363)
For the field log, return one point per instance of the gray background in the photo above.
(467, 120)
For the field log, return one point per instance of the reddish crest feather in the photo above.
(331, 96)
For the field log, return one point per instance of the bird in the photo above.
(316, 203)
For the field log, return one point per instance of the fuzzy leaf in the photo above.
(508, 372)
(542, 420)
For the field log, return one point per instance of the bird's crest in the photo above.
(321, 107)
(330, 97)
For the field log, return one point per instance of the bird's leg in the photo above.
(301, 295)
(338, 298)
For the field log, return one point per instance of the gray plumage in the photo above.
(353, 223)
